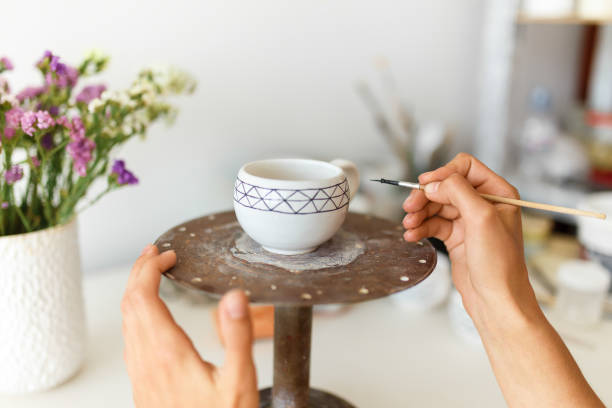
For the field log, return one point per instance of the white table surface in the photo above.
(374, 355)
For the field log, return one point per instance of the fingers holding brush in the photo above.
(437, 227)
(414, 219)
(415, 202)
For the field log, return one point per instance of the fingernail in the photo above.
(146, 249)
(235, 306)
(432, 187)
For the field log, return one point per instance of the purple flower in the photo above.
(59, 73)
(54, 110)
(90, 93)
(6, 63)
(80, 151)
(46, 54)
(45, 120)
(81, 148)
(35, 161)
(124, 176)
(9, 132)
(30, 92)
(28, 119)
(68, 76)
(54, 62)
(13, 117)
(47, 141)
(77, 130)
(13, 174)
(64, 121)
(4, 205)
(56, 66)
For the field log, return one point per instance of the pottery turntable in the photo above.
(366, 259)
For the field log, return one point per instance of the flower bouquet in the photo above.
(56, 140)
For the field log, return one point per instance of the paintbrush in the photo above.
(505, 200)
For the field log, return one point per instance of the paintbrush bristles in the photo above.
(385, 181)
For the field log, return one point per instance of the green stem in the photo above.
(57, 148)
(24, 220)
(46, 201)
(108, 189)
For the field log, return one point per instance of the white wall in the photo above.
(275, 78)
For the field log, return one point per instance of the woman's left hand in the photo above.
(163, 365)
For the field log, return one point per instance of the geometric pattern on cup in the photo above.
(290, 201)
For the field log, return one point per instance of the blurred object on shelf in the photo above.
(600, 86)
(543, 265)
(540, 129)
(375, 198)
(599, 109)
(594, 9)
(599, 144)
(262, 321)
(566, 160)
(431, 146)
(547, 8)
(460, 320)
(399, 146)
(545, 152)
(418, 146)
(582, 289)
(430, 293)
(536, 230)
(554, 166)
(596, 237)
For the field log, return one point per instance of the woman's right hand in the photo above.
(484, 240)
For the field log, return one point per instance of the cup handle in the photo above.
(352, 174)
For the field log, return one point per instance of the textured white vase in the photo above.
(42, 325)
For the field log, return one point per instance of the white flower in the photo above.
(9, 98)
(126, 129)
(119, 97)
(94, 105)
(148, 98)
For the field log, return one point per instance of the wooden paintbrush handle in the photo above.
(539, 206)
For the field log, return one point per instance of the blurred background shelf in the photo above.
(576, 20)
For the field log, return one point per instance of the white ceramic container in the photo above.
(582, 290)
(291, 206)
(42, 329)
(595, 234)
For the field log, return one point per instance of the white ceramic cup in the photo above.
(291, 206)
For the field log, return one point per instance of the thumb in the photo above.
(237, 334)
(455, 190)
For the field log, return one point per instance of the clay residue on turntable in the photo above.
(341, 250)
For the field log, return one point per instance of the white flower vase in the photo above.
(42, 328)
